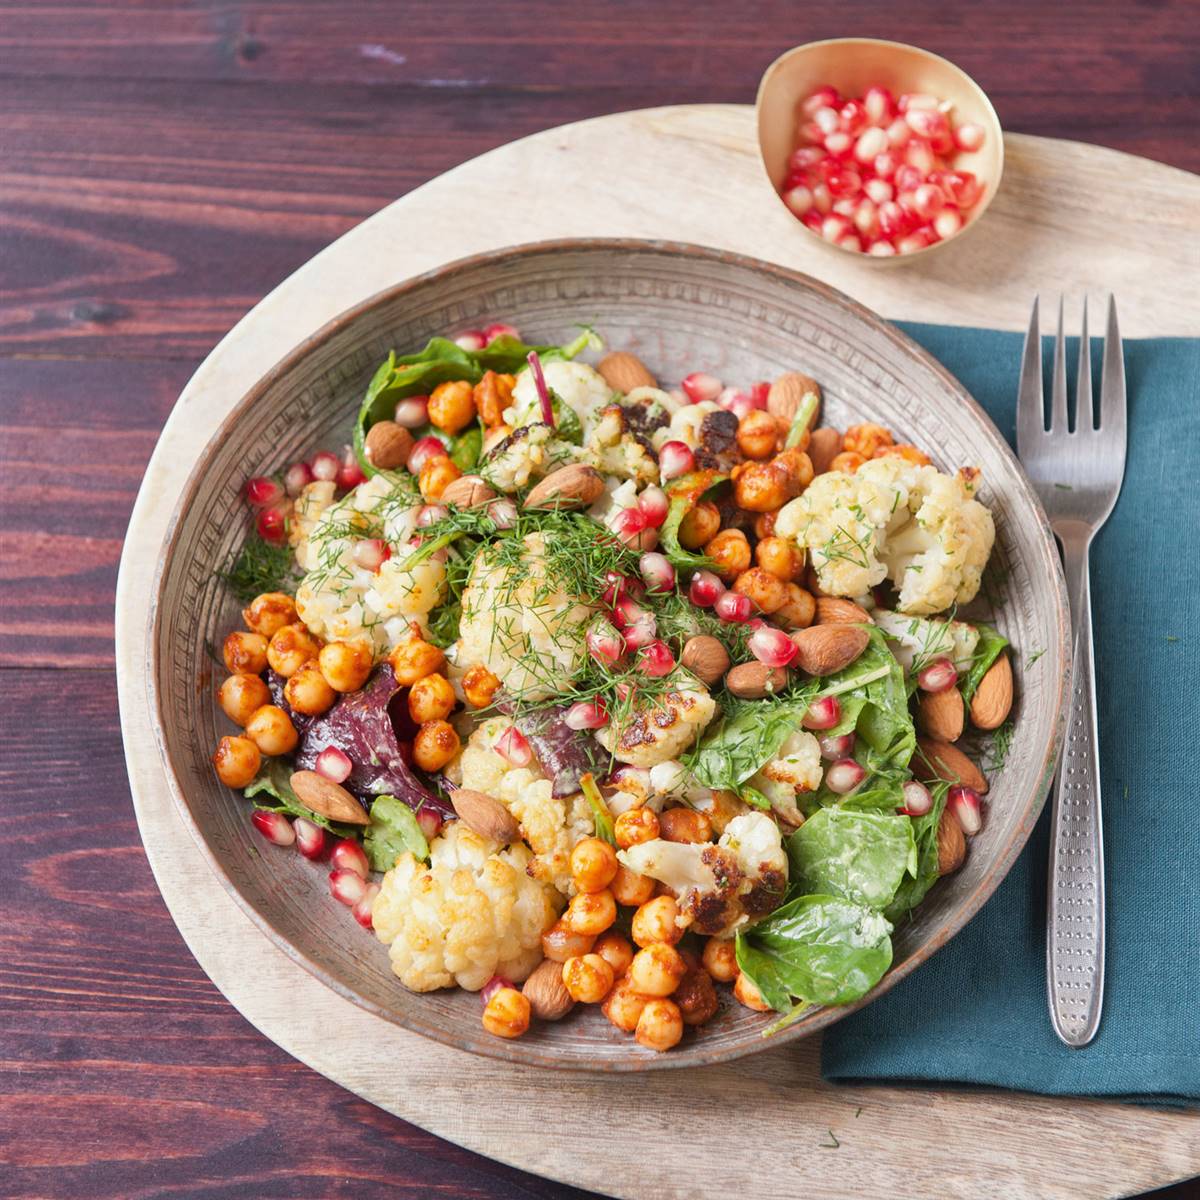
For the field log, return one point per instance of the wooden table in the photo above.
(151, 189)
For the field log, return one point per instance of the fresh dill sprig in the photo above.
(997, 750)
(260, 567)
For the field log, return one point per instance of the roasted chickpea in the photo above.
(492, 395)
(560, 943)
(630, 888)
(798, 610)
(435, 745)
(762, 487)
(781, 557)
(865, 439)
(507, 1013)
(757, 434)
(237, 760)
(588, 978)
(615, 949)
(245, 653)
(655, 922)
(696, 996)
(656, 970)
(436, 476)
(480, 686)
(847, 461)
(269, 613)
(746, 993)
(636, 825)
(720, 960)
(721, 807)
(413, 659)
(345, 665)
(291, 647)
(271, 730)
(685, 825)
(699, 525)
(730, 551)
(660, 1026)
(796, 467)
(767, 592)
(308, 691)
(764, 524)
(241, 695)
(624, 1005)
(905, 451)
(430, 699)
(452, 405)
(590, 913)
(593, 864)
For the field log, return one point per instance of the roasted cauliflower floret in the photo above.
(524, 455)
(471, 914)
(795, 769)
(580, 387)
(686, 424)
(613, 450)
(916, 640)
(662, 729)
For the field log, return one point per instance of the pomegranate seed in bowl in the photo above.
(262, 492)
(334, 764)
(348, 855)
(347, 886)
(275, 827)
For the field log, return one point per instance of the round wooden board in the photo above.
(1061, 222)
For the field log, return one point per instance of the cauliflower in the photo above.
(612, 450)
(893, 519)
(723, 887)
(916, 640)
(527, 452)
(580, 387)
(471, 914)
(685, 424)
(663, 729)
(796, 768)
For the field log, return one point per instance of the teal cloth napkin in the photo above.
(976, 1012)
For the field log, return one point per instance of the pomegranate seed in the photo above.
(917, 800)
(804, 158)
(919, 155)
(927, 201)
(823, 713)
(798, 199)
(822, 200)
(699, 387)
(893, 220)
(262, 492)
(587, 714)
(912, 243)
(471, 339)
(325, 466)
(654, 504)
(423, 450)
(347, 886)
(656, 659)
(771, 646)
(676, 458)
(964, 803)
(834, 227)
(866, 218)
(297, 477)
(637, 624)
(503, 513)
(879, 191)
(350, 477)
(916, 100)
(881, 249)
(413, 412)
(705, 589)
(885, 165)
(844, 776)
(514, 746)
(430, 514)
(880, 105)
(271, 524)
(837, 745)
(430, 822)
(812, 220)
(499, 330)
(363, 909)
(845, 207)
(899, 134)
(838, 144)
(823, 97)
(740, 404)
(334, 764)
(969, 137)
(493, 985)
(616, 586)
(853, 116)
(908, 179)
(348, 855)
(925, 122)
(275, 827)
(628, 524)
(850, 242)
(760, 392)
(657, 571)
(826, 120)
(733, 607)
(871, 143)
(947, 223)
(310, 838)
(604, 643)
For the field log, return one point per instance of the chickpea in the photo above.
(480, 686)
(746, 993)
(590, 913)
(237, 760)
(245, 653)
(240, 695)
(655, 922)
(757, 434)
(436, 476)
(345, 665)
(587, 978)
(615, 949)
(431, 699)
(798, 610)
(847, 461)
(660, 1026)
(907, 452)
(796, 466)
(269, 613)
(865, 439)
(636, 825)
(593, 864)
(767, 592)
(781, 557)
(272, 731)
(492, 395)
(452, 405)
(308, 691)
(624, 1006)
(656, 969)
(696, 996)
(764, 524)
(413, 659)
(507, 1013)
(730, 551)
(291, 647)
(762, 487)
(685, 825)
(560, 943)
(720, 959)
(699, 525)
(630, 888)
(435, 745)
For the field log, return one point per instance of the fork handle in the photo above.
(1075, 900)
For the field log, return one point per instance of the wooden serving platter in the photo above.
(1060, 223)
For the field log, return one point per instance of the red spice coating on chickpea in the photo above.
(269, 612)
(435, 745)
(241, 695)
(591, 912)
(631, 889)
(431, 699)
(660, 1027)
(593, 864)
(587, 978)
(413, 659)
(506, 1014)
(245, 653)
(635, 826)
(236, 760)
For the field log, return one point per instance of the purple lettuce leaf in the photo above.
(566, 754)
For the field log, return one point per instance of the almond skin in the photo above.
(826, 649)
(485, 815)
(787, 393)
(387, 445)
(754, 680)
(993, 698)
(706, 658)
(823, 447)
(623, 372)
(328, 798)
(936, 759)
(468, 492)
(833, 610)
(575, 486)
(951, 844)
(548, 998)
(941, 714)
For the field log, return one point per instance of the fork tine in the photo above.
(1031, 406)
(1112, 376)
(1085, 413)
(1058, 391)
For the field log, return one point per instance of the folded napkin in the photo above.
(976, 1012)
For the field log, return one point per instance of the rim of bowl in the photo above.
(526, 1052)
(995, 130)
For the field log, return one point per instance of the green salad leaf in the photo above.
(393, 830)
(274, 781)
(682, 496)
(913, 888)
(991, 644)
(466, 448)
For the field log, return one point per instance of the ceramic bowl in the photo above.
(681, 308)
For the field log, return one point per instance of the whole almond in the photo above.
(328, 798)
(575, 486)
(826, 649)
(941, 714)
(951, 844)
(485, 815)
(623, 372)
(993, 697)
(469, 491)
(387, 445)
(936, 759)
(787, 394)
(833, 610)
(754, 680)
(548, 998)
(823, 447)
(706, 658)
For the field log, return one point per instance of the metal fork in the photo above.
(1077, 473)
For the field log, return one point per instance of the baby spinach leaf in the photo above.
(393, 830)
(991, 643)
(682, 496)
(274, 780)
(913, 888)
(466, 448)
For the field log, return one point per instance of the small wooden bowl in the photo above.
(852, 65)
